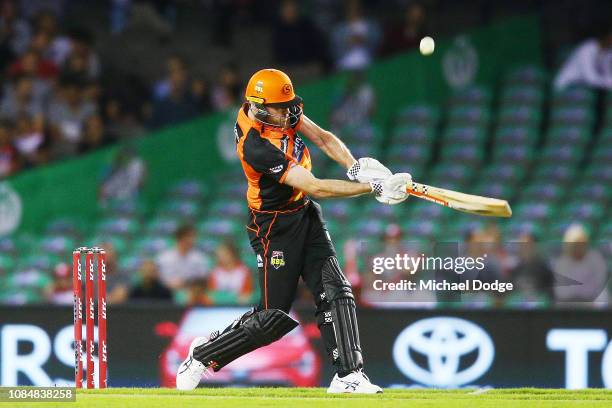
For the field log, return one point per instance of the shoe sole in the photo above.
(348, 392)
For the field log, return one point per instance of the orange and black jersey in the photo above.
(266, 154)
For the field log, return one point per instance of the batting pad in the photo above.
(340, 296)
(251, 331)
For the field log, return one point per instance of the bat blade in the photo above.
(473, 204)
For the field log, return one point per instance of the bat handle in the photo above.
(416, 187)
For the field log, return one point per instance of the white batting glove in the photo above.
(392, 190)
(367, 169)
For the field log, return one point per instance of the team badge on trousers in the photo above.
(278, 259)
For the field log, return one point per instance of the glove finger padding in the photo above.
(367, 169)
(399, 182)
(392, 190)
(392, 197)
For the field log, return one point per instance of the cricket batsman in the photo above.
(289, 237)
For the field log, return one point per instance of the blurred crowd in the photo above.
(182, 274)
(50, 89)
(572, 273)
(53, 103)
(57, 100)
(59, 96)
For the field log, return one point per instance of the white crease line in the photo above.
(480, 391)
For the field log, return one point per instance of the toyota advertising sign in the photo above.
(443, 342)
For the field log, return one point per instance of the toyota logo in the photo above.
(443, 341)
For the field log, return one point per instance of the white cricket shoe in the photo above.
(354, 383)
(190, 371)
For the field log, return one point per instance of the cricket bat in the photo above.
(473, 204)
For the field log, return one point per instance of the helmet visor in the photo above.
(289, 117)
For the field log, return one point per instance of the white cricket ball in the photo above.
(427, 46)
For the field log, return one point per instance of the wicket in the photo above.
(77, 282)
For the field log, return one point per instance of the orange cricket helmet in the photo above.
(273, 88)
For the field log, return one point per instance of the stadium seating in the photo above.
(469, 144)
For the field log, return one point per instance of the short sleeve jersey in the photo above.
(266, 154)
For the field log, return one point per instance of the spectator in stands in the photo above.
(41, 41)
(351, 253)
(483, 243)
(60, 292)
(120, 11)
(183, 262)
(94, 135)
(58, 47)
(117, 279)
(124, 178)
(355, 40)
(121, 121)
(20, 97)
(407, 33)
(533, 276)
(32, 64)
(81, 46)
(67, 116)
(14, 31)
(356, 103)
(178, 105)
(581, 274)
(230, 275)
(150, 286)
(76, 67)
(42, 76)
(495, 249)
(226, 92)
(175, 64)
(197, 293)
(30, 141)
(589, 64)
(201, 95)
(8, 155)
(305, 44)
(393, 246)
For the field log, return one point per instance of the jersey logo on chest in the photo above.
(298, 148)
(284, 143)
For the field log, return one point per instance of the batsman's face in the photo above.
(279, 117)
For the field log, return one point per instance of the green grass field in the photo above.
(316, 397)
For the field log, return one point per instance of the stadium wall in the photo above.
(442, 348)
